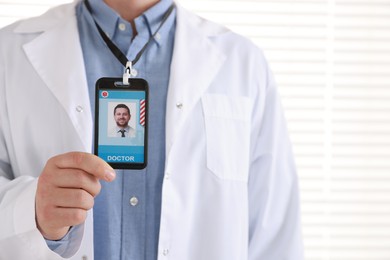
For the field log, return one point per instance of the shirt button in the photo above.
(133, 201)
(165, 252)
(179, 105)
(79, 109)
(157, 36)
(134, 72)
(122, 26)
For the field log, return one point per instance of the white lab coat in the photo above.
(230, 187)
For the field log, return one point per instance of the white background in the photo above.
(331, 59)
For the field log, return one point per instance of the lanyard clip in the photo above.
(128, 73)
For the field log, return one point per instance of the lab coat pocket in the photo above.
(227, 121)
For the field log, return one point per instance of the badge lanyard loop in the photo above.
(129, 72)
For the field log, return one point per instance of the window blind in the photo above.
(331, 60)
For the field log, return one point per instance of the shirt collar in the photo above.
(146, 24)
(106, 17)
(127, 129)
(155, 14)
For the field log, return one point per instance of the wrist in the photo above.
(53, 234)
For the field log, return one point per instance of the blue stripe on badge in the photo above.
(120, 94)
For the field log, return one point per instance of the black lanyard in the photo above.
(118, 53)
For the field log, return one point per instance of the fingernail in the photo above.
(109, 175)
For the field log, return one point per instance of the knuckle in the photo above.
(77, 158)
(51, 161)
(45, 214)
(95, 188)
(88, 183)
(44, 180)
(78, 216)
(48, 173)
(51, 164)
(89, 203)
(83, 179)
(99, 170)
(98, 187)
(44, 191)
(79, 195)
(84, 199)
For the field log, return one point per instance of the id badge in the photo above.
(121, 117)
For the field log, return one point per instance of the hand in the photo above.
(66, 191)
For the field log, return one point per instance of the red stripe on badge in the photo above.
(142, 112)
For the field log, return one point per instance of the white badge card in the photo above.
(121, 117)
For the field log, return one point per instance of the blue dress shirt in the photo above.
(127, 211)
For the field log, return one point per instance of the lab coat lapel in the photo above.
(57, 57)
(190, 76)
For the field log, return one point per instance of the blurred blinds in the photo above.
(331, 59)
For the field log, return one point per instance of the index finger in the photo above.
(87, 162)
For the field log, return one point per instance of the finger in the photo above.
(66, 217)
(73, 198)
(74, 178)
(89, 163)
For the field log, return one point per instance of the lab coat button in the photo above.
(79, 109)
(179, 105)
(167, 175)
(165, 252)
(133, 201)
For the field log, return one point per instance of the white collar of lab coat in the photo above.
(65, 74)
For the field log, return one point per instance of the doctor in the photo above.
(221, 182)
(122, 117)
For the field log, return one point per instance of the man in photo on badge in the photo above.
(122, 116)
(221, 181)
